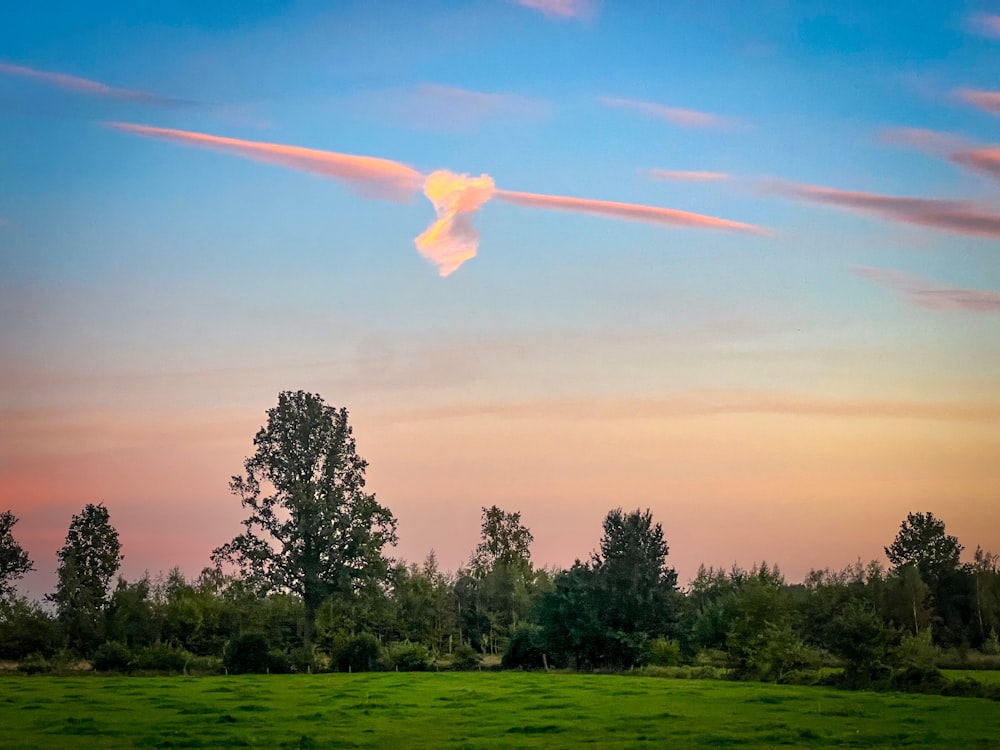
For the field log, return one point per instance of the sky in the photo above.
(737, 263)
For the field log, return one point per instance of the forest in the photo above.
(310, 586)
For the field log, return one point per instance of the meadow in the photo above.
(472, 710)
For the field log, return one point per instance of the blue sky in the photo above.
(156, 295)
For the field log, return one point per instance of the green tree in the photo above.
(923, 543)
(312, 529)
(88, 561)
(504, 541)
(14, 561)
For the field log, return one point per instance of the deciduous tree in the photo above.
(312, 528)
(88, 561)
(14, 561)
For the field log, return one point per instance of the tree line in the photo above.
(308, 585)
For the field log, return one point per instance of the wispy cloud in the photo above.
(968, 156)
(985, 24)
(709, 404)
(988, 101)
(626, 211)
(930, 294)
(433, 106)
(685, 118)
(959, 217)
(373, 176)
(451, 239)
(687, 175)
(87, 86)
(560, 8)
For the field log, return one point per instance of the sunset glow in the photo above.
(737, 264)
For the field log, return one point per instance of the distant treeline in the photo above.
(308, 586)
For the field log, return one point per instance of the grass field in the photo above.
(980, 675)
(404, 710)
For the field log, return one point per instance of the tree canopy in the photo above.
(14, 561)
(923, 543)
(312, 528)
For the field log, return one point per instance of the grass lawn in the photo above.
(404, 710)
(979, 675)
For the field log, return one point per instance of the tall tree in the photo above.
(312, 528)
(14, 561)
(88, 561)
(504, 541)
(632, 566)
(923, 543)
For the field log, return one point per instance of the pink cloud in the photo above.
(968, 156)
(687, 176)
(381, 177)
(986, 24)
(988, 101)
(930, 294)
(451, 239)
(84, 85)
(560, 8)
(685, 118)
(959, 217)
(626, 211)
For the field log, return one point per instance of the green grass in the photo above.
(400, 710)
(979, 675)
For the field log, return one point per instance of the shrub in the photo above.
(991, 646)
(247, 654)
(112, 657)
(33, 664)
(525, 649)
(465, 657)
(161, 657)
(410, 657)
(664, 653)
(361, 654)
(916, 651)
(204, 665)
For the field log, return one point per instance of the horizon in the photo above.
(734, 264)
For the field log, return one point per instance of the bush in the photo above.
(26, 629)
(33, 664)
(204, 665)
(465, 657)
(112, 657)
(161, 657)
(247, 654)
(664, 653)
(410, 657)
(361, 654)
(525, 649)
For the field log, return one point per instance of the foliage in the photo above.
(87, 562)
(247, 654)
(33, 664)
(14, 561)
(112, 656)
(525, 649)
(504, 541)
(409, 657)
(465, 657)
(923, 543)
(664, 653)
(312, 529)
(361, 654)
(161, 657)
(26, 628)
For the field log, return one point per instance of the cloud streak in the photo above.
(382, 178)
(988, 101)
(930, 294)
(687, 175)
(684, 118)
(961, 153)
(986, 24)
(86, 85)
(559, 8)
(959, 217)
(625, 211)
(451, 239)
